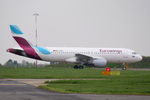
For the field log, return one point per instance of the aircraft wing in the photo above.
(84, 58)
(90, 60)
(81, 58)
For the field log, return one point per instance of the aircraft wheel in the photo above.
(78, 67)
(81, 67)
(75, 67)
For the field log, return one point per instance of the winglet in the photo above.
(15, 30)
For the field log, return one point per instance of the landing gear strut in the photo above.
(78, 67)
(125, 66)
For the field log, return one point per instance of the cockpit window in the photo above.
(134, 53)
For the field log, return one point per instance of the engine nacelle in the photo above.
(99, 62)
(71, 60)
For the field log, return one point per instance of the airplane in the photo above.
(78, 55)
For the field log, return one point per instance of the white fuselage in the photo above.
(112, 55)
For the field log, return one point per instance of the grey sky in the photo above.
(77, 23)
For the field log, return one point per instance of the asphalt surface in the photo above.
(14, 90)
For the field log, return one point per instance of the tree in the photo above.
(9, 63)
(15, 63)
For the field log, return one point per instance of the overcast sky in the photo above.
(77, 23)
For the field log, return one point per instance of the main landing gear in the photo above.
(78, 67)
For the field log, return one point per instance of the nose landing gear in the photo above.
(125, 66)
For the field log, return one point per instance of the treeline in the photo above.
(145, 63)
(14, 63)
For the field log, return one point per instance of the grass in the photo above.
(47, 72)
(100, 87)
(129, 82)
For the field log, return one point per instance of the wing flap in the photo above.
(83, 58)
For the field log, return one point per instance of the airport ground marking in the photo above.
(11, 84)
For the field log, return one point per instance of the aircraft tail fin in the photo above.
(23, 43)
(15, 30)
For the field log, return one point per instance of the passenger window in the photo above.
(134, 53)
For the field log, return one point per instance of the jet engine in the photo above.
(99, 62)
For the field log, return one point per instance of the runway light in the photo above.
(108, 69)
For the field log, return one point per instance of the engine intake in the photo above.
(99, 62)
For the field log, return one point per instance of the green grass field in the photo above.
(129, 82)
(47, 72)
